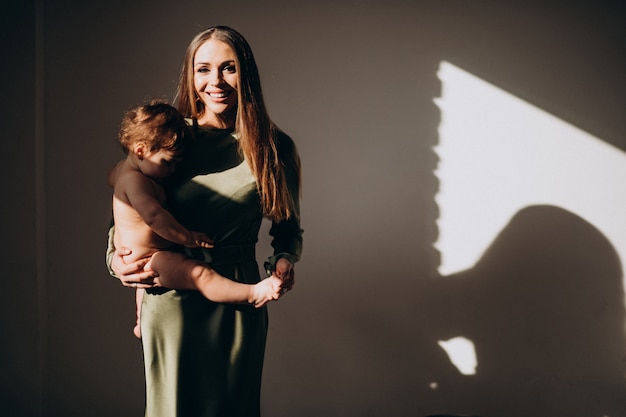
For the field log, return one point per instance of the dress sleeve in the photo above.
(110, 249)
(287, 234)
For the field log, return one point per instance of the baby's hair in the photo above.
(158, 125)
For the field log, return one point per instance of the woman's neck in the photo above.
(216, 121)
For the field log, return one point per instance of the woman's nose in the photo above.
(215, 78)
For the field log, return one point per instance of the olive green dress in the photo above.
(205, 359)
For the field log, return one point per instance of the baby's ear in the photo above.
(139, 149)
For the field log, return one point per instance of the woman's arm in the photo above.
(287, 234)
(287, 244)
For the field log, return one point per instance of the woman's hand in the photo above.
(132, 274)
(285, 272)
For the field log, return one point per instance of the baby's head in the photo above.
(157, 125)
(156, 132)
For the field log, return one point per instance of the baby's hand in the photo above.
(201, 240)
(266, 291)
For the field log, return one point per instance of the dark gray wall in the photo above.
(21, 383)
(353, 82)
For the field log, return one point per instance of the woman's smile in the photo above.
(218, 95)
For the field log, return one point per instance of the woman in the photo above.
(204, 358)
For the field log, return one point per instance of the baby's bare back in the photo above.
(133, 233)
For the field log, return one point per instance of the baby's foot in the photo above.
(266, 291)
(137, 330)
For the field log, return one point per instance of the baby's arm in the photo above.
(142, 194)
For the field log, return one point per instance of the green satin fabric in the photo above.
(203, 359)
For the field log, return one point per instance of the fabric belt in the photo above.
(224, 255)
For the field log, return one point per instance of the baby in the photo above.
(153, 137)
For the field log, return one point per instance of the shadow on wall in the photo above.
(544, 308)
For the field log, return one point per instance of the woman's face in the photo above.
(215, 80)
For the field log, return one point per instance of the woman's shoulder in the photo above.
(287, 152)
(284, 142)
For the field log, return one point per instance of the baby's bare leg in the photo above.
(180, 272)
(138, 301)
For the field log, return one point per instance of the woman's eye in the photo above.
(203, 70)
(230, 68)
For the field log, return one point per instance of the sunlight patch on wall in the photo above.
(462, 354)
(499, 154)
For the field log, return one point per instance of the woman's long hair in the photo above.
(258, 136)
